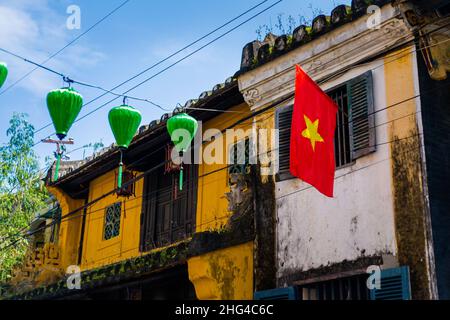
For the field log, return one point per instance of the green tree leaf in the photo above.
(22, 193)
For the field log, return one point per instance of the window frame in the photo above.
(150, 237)
(119, 204)
(354, 154)
(245, 167)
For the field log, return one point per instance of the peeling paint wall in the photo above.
(224, 274)
(357, 228)
(406, 169)
(435, 106)
(70, 229)
(212, 205)
(314, 231)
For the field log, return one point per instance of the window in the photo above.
(342, 152)
(394, 285)
(348, 288)
(239, 157)
(112, 221)
(355, 124)
(168, 214)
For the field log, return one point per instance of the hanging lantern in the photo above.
(3, 73)
(64, 106)
(182, 139)
(124, 121)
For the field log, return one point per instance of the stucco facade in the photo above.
(378, 215)
(242, 234)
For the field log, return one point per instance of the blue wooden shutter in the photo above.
(283, 122)
(361, 115)
(289, 293)
(395, 285)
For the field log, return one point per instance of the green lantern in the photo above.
(124, 121)
(3, 73)
(64, 106)
(182, 129)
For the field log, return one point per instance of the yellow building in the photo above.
(189, 243)
(242, 225)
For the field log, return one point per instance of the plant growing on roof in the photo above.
(124, 121)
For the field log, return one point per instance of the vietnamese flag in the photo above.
(312, 134)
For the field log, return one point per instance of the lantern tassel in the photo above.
(181, 178)
(119, 176)
(58, 162)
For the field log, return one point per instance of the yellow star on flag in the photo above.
(311, 132)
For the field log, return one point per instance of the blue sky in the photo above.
(138, 35)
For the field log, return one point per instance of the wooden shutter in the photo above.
(289, 293)
(362, 118)
(148, 215)
(394, 285)
(283, 123)
(168, 214)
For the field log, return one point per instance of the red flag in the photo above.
(312, 134)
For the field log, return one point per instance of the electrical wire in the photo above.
(70, 81)
(321, 66)
(65, 47)
(176, 62)
(350, 121)
(72, 214)
(166, 58)
(395, 105)
(163, 163)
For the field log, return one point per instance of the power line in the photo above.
(72, 214)
(250, 117)
(70, 81)
(400, 55)
(141, 176)
(364, 167)
(66, 46)
(143, 82)
(166, 58)
(153, 76)
(375, 111)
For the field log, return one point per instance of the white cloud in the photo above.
(203, 57)
(35, 30)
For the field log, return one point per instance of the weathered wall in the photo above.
(97, 251)
(315, 231)
(223, 274)
(212, 204)
(401, 73)
(70, 229)
(264, 206)
(435, 101)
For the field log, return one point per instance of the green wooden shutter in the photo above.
(283, 122)
(395, 285)
(362, 118)
(289, 293)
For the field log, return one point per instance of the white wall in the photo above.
(314, 230)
